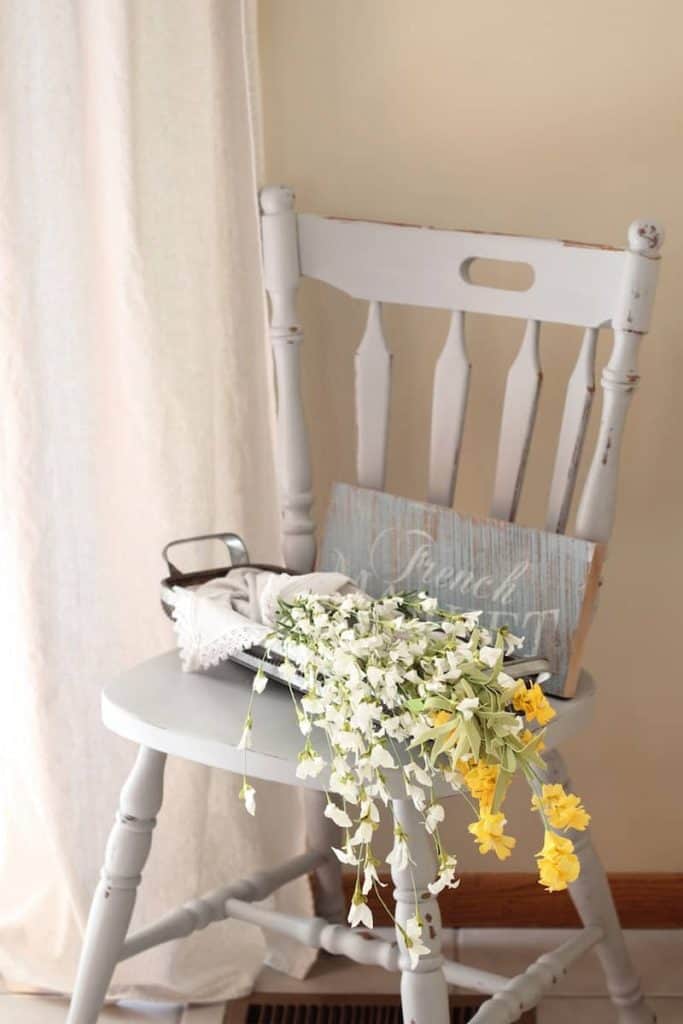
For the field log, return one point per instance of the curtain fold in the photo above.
(136, 407)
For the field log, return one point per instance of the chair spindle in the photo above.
(577, 410)
(373, 389)
(517, 424)
(449, 402)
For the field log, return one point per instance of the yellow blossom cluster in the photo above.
(480, 780)
(561, 810)
(488, 832)
(534, 703)
(558, 865)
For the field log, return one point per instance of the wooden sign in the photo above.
(542, 585)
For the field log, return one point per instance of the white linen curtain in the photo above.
(135, 403)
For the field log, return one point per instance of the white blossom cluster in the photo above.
(398, 693)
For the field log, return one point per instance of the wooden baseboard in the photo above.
(516, 900)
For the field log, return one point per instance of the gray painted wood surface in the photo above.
(542, 585)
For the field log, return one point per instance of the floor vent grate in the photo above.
(346, 1009)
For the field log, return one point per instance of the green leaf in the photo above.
(473, 735)
(439, 704)
(416, 705)
(502, 783)
(446, 741)
(508, 759)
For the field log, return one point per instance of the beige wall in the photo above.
(537, 118)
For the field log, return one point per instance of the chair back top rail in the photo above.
(573, 283)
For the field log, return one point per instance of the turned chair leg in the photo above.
(112, 906)
(593, 900)
(424, 993)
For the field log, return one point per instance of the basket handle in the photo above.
(233, 542)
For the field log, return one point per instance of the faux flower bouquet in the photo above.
(397, 685)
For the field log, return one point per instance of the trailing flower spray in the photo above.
(401, 694)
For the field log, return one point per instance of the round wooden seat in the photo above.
(200, 715)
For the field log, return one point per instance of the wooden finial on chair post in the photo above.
(281, 277)
(595, 516)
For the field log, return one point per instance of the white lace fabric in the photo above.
(231, 614)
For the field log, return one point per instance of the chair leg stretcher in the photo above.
(197, 914)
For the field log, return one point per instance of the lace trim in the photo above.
(197, 654)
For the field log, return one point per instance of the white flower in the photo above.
(378, 789)
(337, 815)
(399, 857)
(470, 619)
(363, 715)
(422, 775)
(467, 706)
(260, 681)
(413, 940)
(515, 725)
(454, 659)
(400, 652)
(393, 725)
(511, 642)
(420, 731)
(446, 878)
(348, 740)
(435, 814)
(304, 724)
(429, 604)
(375, 675)
(248, 795)
(364, 770)
(359, 912)
(434, 686)
(370, 876)
(311, 704)
(417, 795)
(310, 764)
(245, 738)
(489, 655)
(363, 833)
(288, 671)
(380, 757)
(346, 855)
(506, 682)
(343, 785)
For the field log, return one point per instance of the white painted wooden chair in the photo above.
(199, 717)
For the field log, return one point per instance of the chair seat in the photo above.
(199, 716)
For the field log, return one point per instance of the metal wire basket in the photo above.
(239, 558)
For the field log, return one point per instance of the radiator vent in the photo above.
(346, 1009)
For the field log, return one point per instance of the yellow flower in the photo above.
(481, 780)
(563, 810)
(558, 865)
(526, 737)
(488, 832)
(533, 703)
(440, 718)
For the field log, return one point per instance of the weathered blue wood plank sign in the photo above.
(542, 585)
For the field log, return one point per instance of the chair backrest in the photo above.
(588, 286)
